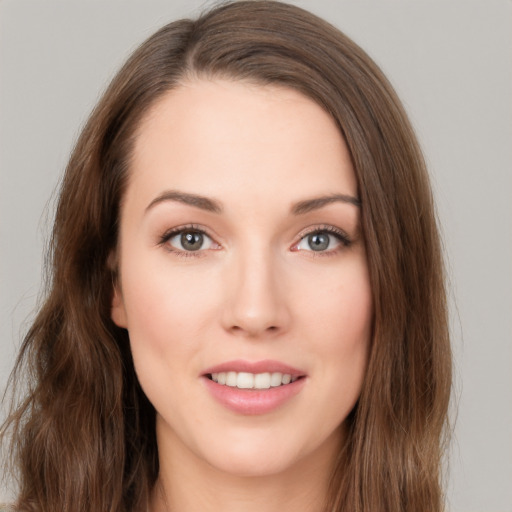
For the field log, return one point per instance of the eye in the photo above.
(323, 240)
(188, 240)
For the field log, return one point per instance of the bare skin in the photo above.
(241, 256)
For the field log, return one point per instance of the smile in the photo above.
(253, 387)
(246, 380)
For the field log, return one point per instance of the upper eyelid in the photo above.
(333, 230)
(317, 228)
(169, 233)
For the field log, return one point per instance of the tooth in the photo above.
(275, 379)
(231, 379)
(262, 381)
(245, 380)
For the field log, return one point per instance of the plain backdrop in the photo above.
(451, 63)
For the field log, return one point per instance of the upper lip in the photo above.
(256, 367)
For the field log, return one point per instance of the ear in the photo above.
(118, 311)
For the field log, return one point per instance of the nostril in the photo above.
(253, 331)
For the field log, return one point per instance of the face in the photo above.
(243, 279)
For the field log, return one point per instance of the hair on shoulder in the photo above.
(83, 436)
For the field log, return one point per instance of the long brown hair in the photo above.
(83, 437)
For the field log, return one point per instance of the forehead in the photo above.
(234, 138)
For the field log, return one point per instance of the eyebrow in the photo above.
(316, 203)
(211, 205)
(204, 203)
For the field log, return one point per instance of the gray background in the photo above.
(451, 63)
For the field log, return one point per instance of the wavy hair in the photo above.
(83, 435)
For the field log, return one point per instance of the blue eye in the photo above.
(319, 241)
(322, 240)
(188, 240)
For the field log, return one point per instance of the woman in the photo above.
(247, 305)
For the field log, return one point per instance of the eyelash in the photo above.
(192, 228)
(340, 235)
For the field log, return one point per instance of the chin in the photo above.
(262, 454)
(245, 464)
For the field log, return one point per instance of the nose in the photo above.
(257, 302)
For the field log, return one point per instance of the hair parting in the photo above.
(83, 433)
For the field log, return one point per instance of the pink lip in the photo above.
(251, 401)
(267, 365)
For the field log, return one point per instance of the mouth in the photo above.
(254, 387)
(256, 381)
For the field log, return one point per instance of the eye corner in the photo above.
(341, 241)
(173, 241)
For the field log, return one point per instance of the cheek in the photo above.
(340, 308)
(351, 315)
(168, 315)
(167, 308)
(339, 325)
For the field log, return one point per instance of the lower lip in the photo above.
(252, 401)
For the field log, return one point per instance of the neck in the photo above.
(187, 484)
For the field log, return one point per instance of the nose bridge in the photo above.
(256, 303)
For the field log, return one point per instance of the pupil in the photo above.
(191, 241)
(318, 241)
